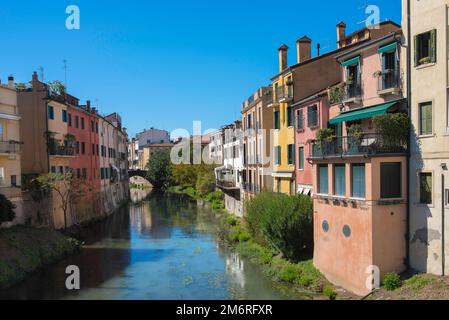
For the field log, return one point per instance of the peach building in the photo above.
(360, 175)
(257, 123)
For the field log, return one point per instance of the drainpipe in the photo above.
(409, 95)
(442, 224)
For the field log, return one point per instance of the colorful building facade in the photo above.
(360, 175)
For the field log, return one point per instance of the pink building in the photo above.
(359, 172)
(312, 113)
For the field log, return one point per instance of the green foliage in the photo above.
(7, 213)
(231, 221)
(57, 87)
(417, 282)
(355, 131)
(329, 292)
(282, 222)
(392, 281)
(393, 128)
(324, 135)
(214, 196)
(159, 170)
(205, 183)
(336, 94)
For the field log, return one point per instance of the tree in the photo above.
(65, 186)
(159, 170)
(6, 209)
(57, 87)
(206, 182)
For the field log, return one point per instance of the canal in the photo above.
(157, 247)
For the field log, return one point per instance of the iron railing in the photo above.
(367, 144)
(389, 79)
(283, 93)
(10, 147)
(352, 90)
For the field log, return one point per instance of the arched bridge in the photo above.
(137, 173)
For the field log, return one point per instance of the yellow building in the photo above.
(149, 150)
(10, 173)
(284, 133)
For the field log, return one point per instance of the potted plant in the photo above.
(424, 60)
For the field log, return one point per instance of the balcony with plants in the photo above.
(390, 137)
(57, 147)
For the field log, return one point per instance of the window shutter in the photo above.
(416, 51)
(433, 46)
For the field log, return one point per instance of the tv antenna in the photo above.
(65, 67)
(41, 73)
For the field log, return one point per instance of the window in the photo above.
(51, 113)
(101, 173)
(277, 155)
(82, 123)
(64, 115)
(300, 120)
(425, 188)
(312, 116)
(249, 121)
(291, 154)
(425, 119)
(13, 180)
(77, 147)
(358, 180)
(301, 158)
(340, 180)
(96, 127)
(84, 173)
(92, 126)
(70, 119)
(93, 149)
(390, 180)
(277, 120)
(61, 169)
(290, 117)
(425, 48)
(323, 179)
(53, 169)
(83, 148)
(76, 121)
(78, 173)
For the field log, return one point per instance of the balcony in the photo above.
(389, 82)
(283, 94)
(352, 92)
(368, 144)
(9, 147)
(54, 149)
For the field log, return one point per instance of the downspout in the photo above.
(409, 95)
(442, 228)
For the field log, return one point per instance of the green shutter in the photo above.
(351, 62)
(388, 48)
(301, 158)
(416, 51)
(433, 46)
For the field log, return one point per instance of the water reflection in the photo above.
(161, 247)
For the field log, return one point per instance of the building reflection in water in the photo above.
(235, 267)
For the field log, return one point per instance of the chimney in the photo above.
(283, 57)
(318, 47)
(35, 78)
(341, 33)
(11, 81)
(303, 49)
(94, 110)
(88, 105)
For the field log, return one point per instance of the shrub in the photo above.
(329, 292)
(230, 220)
(282, 222)
(393, 128)
(7, 213)
(306, 280)
(205, 183)
(290, 273)
(392, 281)
(417, 282)
(213, 196)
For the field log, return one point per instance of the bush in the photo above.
(290, 273)
(205, 183)
(284, 223)
(214, 196)
(329, 292)
(7, 213)
(392, 281)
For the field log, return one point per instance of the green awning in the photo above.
(351, 62)
(363, 113)
(387, 48)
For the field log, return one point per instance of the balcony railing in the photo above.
(251, 187)
(283, 94)
(61, 151)
(9, 147)
(366, 145)
(225, 183)
(353, 90)
(389, 79)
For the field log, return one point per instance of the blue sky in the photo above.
(167, 63)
